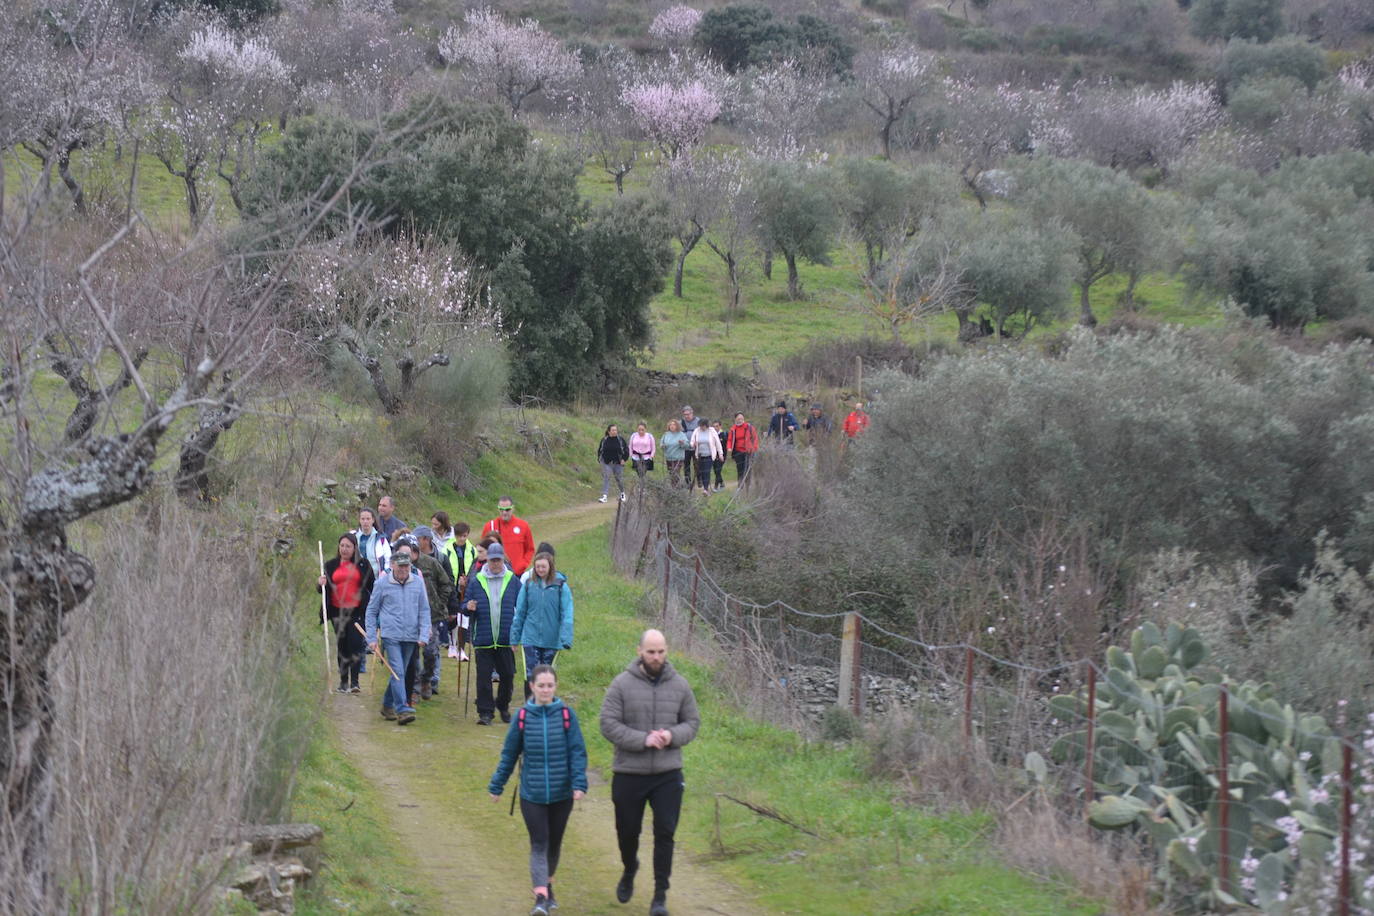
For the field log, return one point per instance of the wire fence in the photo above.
(1244, 802)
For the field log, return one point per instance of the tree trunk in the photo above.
(732, 270)
(1085, 310)
(886, 134)
(767, 263)
(794, 290)
(619, 182)
(188, 178)
(687, 243)
(64, 169)
(1128, 294)
(390, 402)
(192, 480)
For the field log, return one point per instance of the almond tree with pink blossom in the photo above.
(675, 116)
(515, 60)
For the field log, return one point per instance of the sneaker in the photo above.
(388, 714)
(622, 496)
(505, 715)
(541, 906)
(342, 688)
(658, 907)
(484, 720)
(625, 889)
(405, 715)
(355, 689)
(602, 499)
(553, 901)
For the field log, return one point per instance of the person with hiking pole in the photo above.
(492, 594)
(648, 714)
(543, 615)
(399, 608)
(547, 739)
(439, 589)
(347, 586)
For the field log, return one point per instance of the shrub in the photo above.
(740, 36)
(833, 363)
(1290, 56)
(1236, 447)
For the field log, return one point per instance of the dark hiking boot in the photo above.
(626, 888)
(541, 906)
(405, 715)
(425, 691)
(484, 720)
(553, 901)
(658, 907)
(505, 715)
(388, 714)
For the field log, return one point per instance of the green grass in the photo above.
(878, 856)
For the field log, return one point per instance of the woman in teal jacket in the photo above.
(554, 775)
(543, 621)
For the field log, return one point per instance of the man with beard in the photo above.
(649, 713)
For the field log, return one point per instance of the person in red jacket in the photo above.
(857, 421)
(742, 442)
(515, 535)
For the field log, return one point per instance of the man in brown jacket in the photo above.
(649, 713)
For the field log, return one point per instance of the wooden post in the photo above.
(615, 530)
(1088, 790)
(851, 670)
(859, 377)
(968, 697)
(1343, 897)
(1224, 802)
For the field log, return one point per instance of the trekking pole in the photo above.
(467, 694)
(324, 613)
(380, 657)
(519, 771)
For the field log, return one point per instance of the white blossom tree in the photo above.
(779, 107)
(987, 124)
(221, 93)
(889, 82)
(675, 25)
(514, 60)
(675, 117)
(398, 306)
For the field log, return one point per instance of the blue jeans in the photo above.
(535, 655)
(398, 653)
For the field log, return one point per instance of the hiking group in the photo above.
(400, 594)
(693, 449)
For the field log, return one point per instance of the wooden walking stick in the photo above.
(378, 654)
(324, 613)
(467, 694)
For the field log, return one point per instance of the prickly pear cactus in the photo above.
(1156, 766)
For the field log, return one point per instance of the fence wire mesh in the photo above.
(1242, 801)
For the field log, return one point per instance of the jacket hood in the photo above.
(668, 671)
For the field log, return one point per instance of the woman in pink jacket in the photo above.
(642, 450)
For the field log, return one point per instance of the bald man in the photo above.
(649, 713)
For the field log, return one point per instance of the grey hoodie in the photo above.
(636, 705)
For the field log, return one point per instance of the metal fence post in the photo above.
(1346, 767)
(1224, 804)
(696, 580)
(667, 580)
(851, 671)
(968, 696)
(1088, 787)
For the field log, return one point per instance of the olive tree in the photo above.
(1116, 222)
(797, 216)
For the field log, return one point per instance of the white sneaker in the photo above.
(602, 499)
(622, 497)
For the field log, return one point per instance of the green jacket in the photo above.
(438, 586)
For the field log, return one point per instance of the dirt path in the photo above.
(432, 776)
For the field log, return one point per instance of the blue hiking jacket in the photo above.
(482, 635)
(544, 615)
(555, 754)
(402, 611)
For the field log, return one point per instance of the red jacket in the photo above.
(516, 540)
(743, 438)
(855, 423)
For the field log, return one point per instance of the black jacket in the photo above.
(364, 595)
(613, 450)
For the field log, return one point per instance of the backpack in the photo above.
(520, 719)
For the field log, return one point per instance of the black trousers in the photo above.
(500, 659)
(687, 458)
(545, 825)
(742, 464)
(663, 793)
